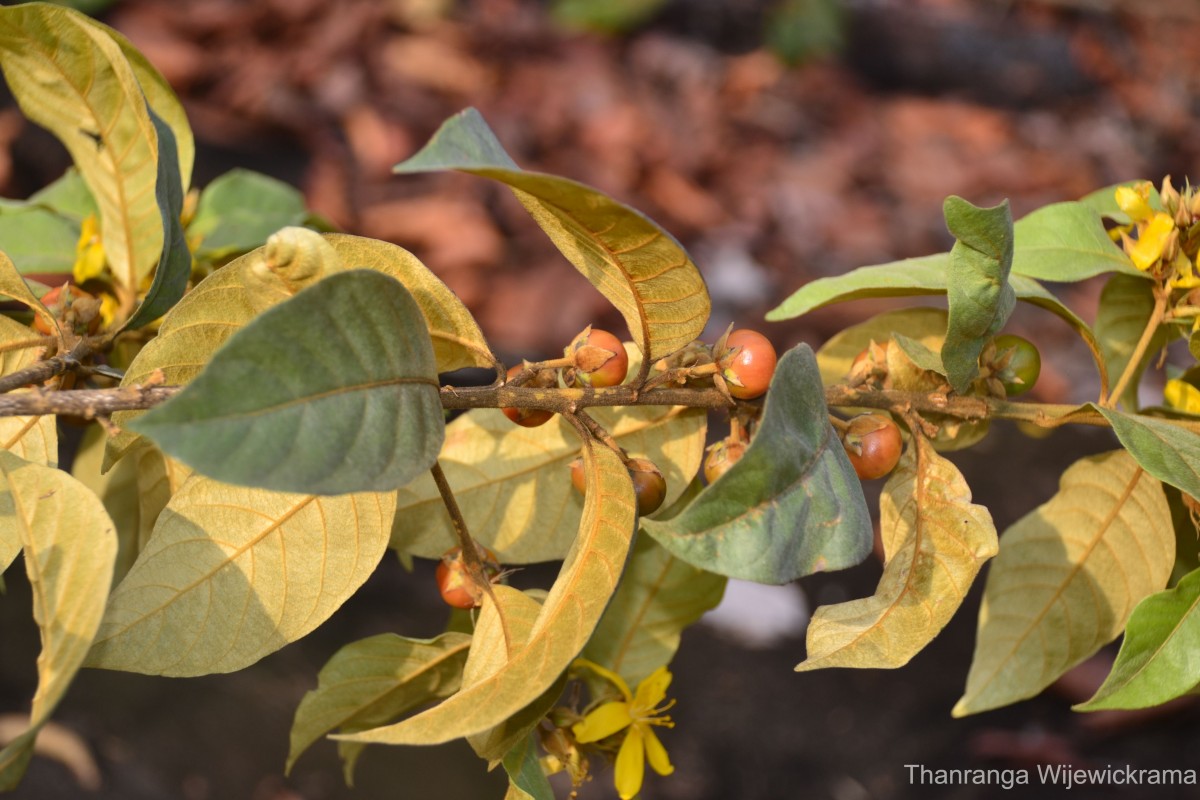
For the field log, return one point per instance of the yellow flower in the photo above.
(637, 715)
(1135, 201)
(1182, 395)
(1152, 240)
(89, 251)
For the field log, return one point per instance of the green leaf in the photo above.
(925, 358)
(1067, 578)
(72, 78)
(175, 264)
(578, 598)
(1064, 243)
(1168, 452)
(332, 391)
(39, 241)
(68, 196)
(239, 210)
(1126, 304)
(231, 574)
(791, 506)
(513, 484)
(374, 681)
(69, 547)
(526, 779)
(637, 265)
(977, 290)
(1157, 661)
(658, 598)
(935, 540)
(797, 30)
(914, 277)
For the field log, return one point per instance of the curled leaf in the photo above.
(637, 265)
(935, 540)
(566, 621)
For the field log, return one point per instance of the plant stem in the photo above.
(1139, 351)
(45, 370)
(470, 553)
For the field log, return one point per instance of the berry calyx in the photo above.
(529, 417)
(873, 444)
(747, 363)
(454, 580)
(599, 357)
(71, 305)
(721, 456)
(1018, 363)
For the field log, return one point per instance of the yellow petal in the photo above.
(601, 722)
(1151, 241)
(652, 690)
(631, 765)
(1133, 200)
(1182, 395)
(89, 251)
(656, 754)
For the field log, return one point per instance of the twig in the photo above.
(1139, 351)
(86, 403)
(44, 370)
(470, 555)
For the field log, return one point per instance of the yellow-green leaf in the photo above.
(232, 574)
(14, 286)
(514, 486)
(637, 265)
(457, 340)
(69, 545)
(1067, 579)
(659, 596)
(503, 628)
(372, 682)
(190, 333)
(935, 540)
(117, 489)
(573, 607)
(32, 438)
(925, 325)
(72, 78)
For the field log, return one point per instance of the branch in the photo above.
(44, 370)
(86, 403)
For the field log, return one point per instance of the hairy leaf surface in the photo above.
(1168, 452)
(1067, 579)
(231, 574)
(791, 506)
(69, 546)
(332, 391)
(637, 265)
(977, 290)
(935, 540)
